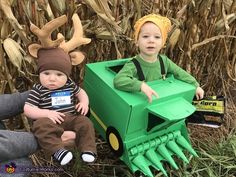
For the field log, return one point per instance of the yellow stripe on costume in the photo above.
(98, 120)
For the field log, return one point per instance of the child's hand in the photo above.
(56, 117)
(148, 91)
(199, 93)
(82, 108)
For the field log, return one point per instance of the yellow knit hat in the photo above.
(162, 22)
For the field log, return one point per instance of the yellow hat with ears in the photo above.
(162, 22)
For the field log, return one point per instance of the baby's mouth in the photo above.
(51, 85)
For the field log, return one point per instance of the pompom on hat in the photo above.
(162, 22)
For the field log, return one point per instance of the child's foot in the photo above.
(63, 156)
(88, 156)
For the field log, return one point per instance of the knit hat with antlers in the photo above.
(58, 54)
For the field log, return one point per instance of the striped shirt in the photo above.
(44, 98)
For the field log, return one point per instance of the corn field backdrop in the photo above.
(202, 41)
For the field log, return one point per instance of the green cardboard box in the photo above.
(142, 134)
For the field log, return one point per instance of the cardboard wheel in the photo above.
(114, 140)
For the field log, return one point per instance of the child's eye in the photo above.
(145, 36)
(46, 73)
(157, 37)
(59, 74)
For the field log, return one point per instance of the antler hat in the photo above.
(58, 54)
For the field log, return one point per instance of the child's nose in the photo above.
(51, 77)
(151, 39)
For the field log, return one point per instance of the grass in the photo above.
(215, 160)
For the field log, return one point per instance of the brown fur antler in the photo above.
(44, 35)
(77, 38)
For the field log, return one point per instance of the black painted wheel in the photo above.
(114, 140)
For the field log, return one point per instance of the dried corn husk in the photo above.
(174, 38)
(3, 84)
(27, 7)
(14, 52)
(6, 29)
(60, 5)
(5, 6)
(46, 7)
(102, 9)
(105, 35)
(206, 41)
(181, 12)
(221, 24)
(233, 7)
(42, 4)
(1, 58)
(204, 7)
(227, 4)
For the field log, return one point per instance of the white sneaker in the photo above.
(68, 157)
(88, 156)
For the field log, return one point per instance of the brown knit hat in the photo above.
(54, 59)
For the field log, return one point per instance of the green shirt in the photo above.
(127, 79)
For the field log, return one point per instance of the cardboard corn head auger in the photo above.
(142, 134)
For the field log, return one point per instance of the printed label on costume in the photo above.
(61, 98)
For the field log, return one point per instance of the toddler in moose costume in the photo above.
(57, 104)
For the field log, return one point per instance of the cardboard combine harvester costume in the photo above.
(140, 133)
